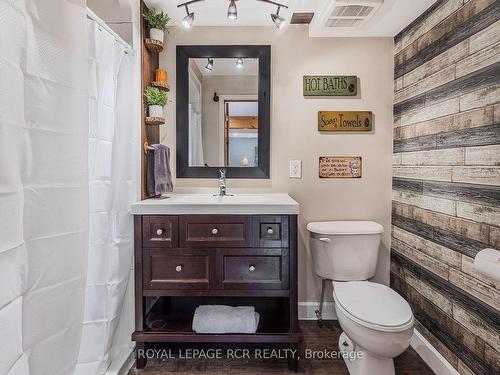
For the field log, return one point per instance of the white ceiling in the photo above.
(227, 67)
(390, 19)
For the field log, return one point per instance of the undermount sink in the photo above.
(250, 204)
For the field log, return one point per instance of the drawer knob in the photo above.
(159, 232)
(251, 268)
(178, 268)
(215, 231)
(270, 230)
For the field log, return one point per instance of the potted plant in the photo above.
(156, 100)
(157, 22)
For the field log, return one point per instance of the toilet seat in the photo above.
(345, 227)
(373, 305)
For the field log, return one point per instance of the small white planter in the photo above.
(155, 111)
(156, 34)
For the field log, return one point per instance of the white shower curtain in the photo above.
(113, 188)
(46, 178)
(195, 139)
(43, 184)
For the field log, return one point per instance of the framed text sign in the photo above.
(340, 167)
(345, 121)
(330, 85)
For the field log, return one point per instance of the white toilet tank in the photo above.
(345, 250)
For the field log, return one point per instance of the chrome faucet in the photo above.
(222, 182)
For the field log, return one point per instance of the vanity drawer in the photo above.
(176, 269)
(160, 231)
(270, 231)
(215, 231)
(252, 268)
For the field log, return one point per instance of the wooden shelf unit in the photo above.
(151, 121)
(153, 45)
(150, 131)
(161, 86)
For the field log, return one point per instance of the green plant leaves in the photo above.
(155, 96)
(156, 20)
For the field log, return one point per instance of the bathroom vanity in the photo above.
(199, 249)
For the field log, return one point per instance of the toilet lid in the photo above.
(345, 227)
(373, 305)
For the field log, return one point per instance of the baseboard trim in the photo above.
(431, 356)
(122, 362)
(307, 311)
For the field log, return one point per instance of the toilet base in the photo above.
(361, 362)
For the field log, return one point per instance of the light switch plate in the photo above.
(295, 169)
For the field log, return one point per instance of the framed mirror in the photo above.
(223, 111)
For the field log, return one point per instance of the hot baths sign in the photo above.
(344, 121)
(330, 85)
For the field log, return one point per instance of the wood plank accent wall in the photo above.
(446, 184)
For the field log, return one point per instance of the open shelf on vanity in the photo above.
(171, 315)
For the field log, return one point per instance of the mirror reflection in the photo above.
(223, 112)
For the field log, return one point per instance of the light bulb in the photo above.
(278, 20)
(232, 12)
(210, 65)
(188, 20)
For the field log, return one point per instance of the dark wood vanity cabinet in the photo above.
(184, 261)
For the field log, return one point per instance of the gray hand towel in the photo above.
(159, 176)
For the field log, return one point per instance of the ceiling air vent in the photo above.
(303, 18)
(351, 13)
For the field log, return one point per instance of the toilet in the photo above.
(377, 322)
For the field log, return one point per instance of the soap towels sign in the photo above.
(343, 121)
(330, 85)
(340, 167)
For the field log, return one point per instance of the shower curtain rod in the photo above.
(104, 25)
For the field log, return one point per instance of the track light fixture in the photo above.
(232, 12)
(239, 63)
(189, 19)
(277, 19)
(210, 64)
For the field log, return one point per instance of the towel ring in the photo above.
(147, 147)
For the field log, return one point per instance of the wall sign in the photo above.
(344, 121)
(330, 85)
(340, 166)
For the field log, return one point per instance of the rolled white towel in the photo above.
(487, 262)
(225, 319)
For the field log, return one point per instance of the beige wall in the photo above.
(294, 132)
(210, 122)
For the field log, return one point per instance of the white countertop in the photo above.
(240, 204)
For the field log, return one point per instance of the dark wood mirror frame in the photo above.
(184, 53)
